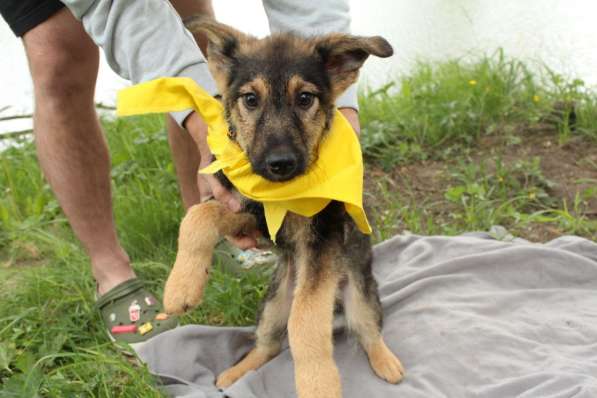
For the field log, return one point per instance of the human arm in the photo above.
(143, 40)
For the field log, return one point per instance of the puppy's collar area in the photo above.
(337, 174)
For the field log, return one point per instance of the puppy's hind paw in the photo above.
(385, 364)
(228, 377)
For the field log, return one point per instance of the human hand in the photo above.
(209, 186)
(353, 118)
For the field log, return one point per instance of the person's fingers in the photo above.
(223, 195)
(242, 242)
(353, 118)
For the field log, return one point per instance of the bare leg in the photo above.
(271, 327)
(71, 148)
(186, 162)
(187, 8)
(184, 150)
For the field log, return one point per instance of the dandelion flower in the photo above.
(472, 82)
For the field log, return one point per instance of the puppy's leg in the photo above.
(271, 326)
(310, 327)
(200, 230)
(364, 317)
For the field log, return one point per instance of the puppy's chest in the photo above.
(332, 225)
(329, 225)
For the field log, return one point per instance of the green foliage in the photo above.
(51, 339)
(496, 197)
(441, 109)
(478, 195)
(52, 342)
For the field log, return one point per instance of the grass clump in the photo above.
(477, 194)
(441, 109)
(51, 339)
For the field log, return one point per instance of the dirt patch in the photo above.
(9, 280)
(22, 254)
(570, 168)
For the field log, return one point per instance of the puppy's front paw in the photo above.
(184, 291)
(385, 364)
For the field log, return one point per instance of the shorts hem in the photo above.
(34, 17)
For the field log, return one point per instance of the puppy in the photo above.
(278, 94)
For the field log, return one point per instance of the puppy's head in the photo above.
(279, 92)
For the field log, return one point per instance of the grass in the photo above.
(441, 109)
(430, 168)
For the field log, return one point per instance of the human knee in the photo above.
(62, 58)
(60, 78)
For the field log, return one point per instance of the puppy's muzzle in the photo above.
(281, 163)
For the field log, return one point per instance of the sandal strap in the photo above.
(123, 289)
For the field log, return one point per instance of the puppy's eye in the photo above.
(250, 100)
(305, 100)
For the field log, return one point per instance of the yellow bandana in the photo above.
(337, 174)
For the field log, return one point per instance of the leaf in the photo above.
(23, 385)
(7, 354)
(52, 347)
(25, 362)
(453, 194)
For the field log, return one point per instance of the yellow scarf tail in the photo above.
(337, 174)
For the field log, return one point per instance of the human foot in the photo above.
(132, 314)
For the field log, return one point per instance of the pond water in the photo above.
(559, 33)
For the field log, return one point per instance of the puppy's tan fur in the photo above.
(279, 94)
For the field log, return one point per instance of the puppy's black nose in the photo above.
(281, 164)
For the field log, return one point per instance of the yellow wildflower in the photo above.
(536, 98)
(472, 82)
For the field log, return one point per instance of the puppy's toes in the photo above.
(180, 302)
(385, 364)
(181, 295)
(228, 377)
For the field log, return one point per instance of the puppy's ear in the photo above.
(343, 56)
(222, 48)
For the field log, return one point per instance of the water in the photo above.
(560, 33)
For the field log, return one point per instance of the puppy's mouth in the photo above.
(279, 164)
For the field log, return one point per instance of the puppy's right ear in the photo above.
(222, 48)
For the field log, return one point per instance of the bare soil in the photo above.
(570, 167)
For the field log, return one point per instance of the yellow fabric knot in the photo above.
(337, 174)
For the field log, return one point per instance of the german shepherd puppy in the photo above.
(278, 94)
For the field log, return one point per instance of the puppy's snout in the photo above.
(281, 163)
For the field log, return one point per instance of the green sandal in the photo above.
(132, 314)
(233, 259)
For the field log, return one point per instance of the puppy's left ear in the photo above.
(343, 55)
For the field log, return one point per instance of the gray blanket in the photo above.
(468, 316)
